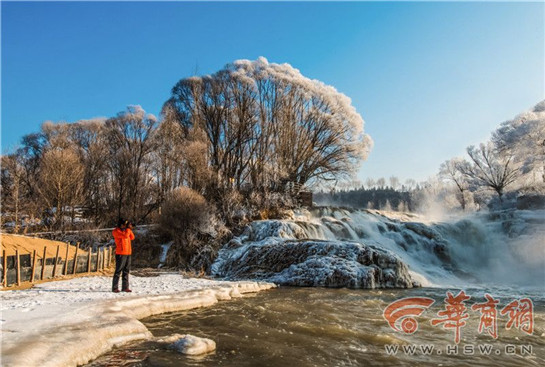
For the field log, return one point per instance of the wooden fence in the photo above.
(30, 267)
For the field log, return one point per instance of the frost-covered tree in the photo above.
(266, 125)
(523, 138)
(410, 184)
(490, 168)
(513, 159)
(453, 170)
(394, 182)
(11, 175)
(195, 160)
(90, 137)
(41, 190)
(168, 154)
(61, 181)
(130, 142)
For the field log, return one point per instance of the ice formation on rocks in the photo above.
(342, 247)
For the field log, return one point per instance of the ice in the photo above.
(324, 247)
(69, 323)
(164, 251)
(189, 344)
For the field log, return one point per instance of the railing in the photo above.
(32, 267)
(36, 234)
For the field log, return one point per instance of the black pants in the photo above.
(122, 265)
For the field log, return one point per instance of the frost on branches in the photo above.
(266, 124)
(523, 138)
(513, 161)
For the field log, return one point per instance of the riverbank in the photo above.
(71, 322)
(310, 326)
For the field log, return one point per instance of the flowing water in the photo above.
(502, 254)
(332, 247)
(293, 326)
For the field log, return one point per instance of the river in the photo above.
(357, 264)
(293, 326)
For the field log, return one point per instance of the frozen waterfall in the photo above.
(340, 247)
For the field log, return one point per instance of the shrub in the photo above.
(232, 209)
(184, 211)
(192, 223)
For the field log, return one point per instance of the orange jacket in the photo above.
(123, 241)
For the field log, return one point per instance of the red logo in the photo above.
(520, 313)
(399, 313)
(489, 315)
(454, 314)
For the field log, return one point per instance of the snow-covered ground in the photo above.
(68, 323)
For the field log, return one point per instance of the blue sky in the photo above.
(428, 78)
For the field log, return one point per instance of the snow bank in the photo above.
(69, 323)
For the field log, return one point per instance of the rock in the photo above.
(316, 263)
(256, 231)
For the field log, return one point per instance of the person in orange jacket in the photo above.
(123, 236)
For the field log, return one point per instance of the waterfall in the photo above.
(337, 247)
